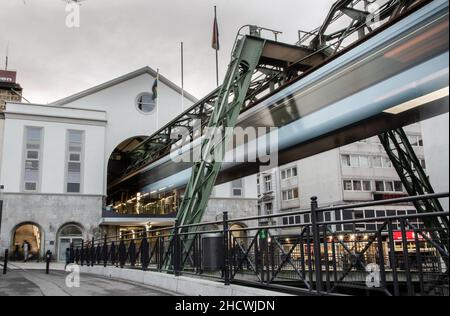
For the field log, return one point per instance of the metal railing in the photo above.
(403, 256)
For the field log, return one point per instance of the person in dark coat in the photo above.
(68, 261)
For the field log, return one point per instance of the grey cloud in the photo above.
(119, 36)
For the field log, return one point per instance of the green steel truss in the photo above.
(232, 95)
(414, 178)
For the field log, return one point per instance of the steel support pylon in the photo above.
(414, 178)
(232, 95)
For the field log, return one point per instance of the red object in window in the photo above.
(410, 236)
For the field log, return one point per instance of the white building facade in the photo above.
(359, 172)
(54, 161)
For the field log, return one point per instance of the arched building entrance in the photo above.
(31, 234)
(69, 234)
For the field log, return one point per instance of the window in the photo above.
(357, 185)
(416, 141)
(354, 160)
(377, 162)
(389, 186)
(367, 185)
(74, 161)
(423, 163)
(269, 209)
(290, 195)
(346, 160)
(379, 186)
(348, 185)
(33, 137)
(398, 186)
(289, 173)
(237, 187)
(285, 221)
(145, 103)
(364, 161)
(268, 183)
(387, 162)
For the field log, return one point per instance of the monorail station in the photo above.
(316, 167)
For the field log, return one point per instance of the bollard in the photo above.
(5, 264)
(48, 258)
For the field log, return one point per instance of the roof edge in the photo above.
(118, 80)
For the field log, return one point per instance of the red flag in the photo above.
(215, 37)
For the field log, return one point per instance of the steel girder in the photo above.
(414, 178)
(361, 21)
(232, 96)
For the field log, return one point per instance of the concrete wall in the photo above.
(249, 189)
(50, 213)
(181, 285)
(236, 208)
(436, 148)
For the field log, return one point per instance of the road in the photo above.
(22, 282)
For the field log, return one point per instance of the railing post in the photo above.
(176, 253)
(5, 263)
(93, 252)
(82, 254)
(316, 239)
(105, 252)
(226, 249)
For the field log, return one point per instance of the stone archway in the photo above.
(31, 233)
(69, 234)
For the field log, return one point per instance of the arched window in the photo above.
(70, 230)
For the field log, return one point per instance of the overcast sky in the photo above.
(120, 36)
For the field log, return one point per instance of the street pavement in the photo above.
(32, 281)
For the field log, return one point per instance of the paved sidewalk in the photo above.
(30, 280)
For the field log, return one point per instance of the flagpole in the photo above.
(182, 76)
(157, 101)
(217, 47)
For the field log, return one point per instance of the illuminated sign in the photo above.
(8, 76)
